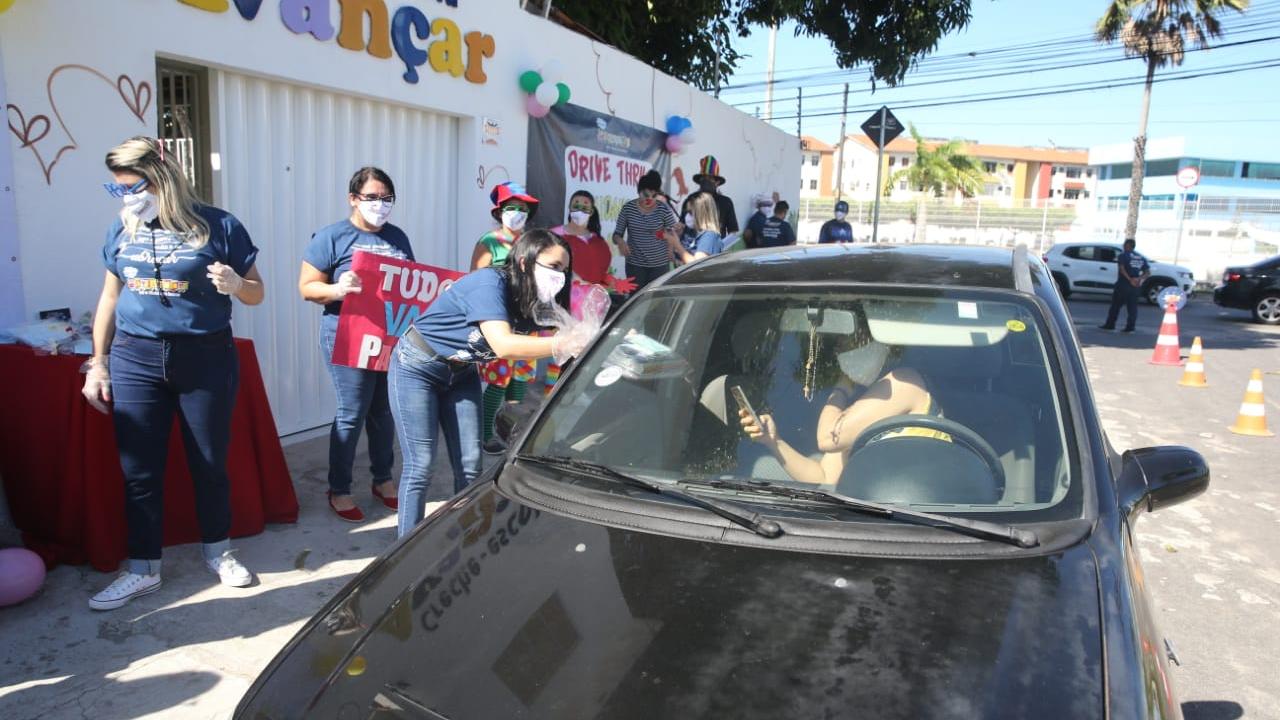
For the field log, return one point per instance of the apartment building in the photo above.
(1015, 176)
(817, 174)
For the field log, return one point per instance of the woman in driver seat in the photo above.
(869, 390)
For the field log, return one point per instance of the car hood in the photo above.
(495, 609)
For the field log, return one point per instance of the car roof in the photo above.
(880, 264)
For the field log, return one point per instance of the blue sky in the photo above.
(1233, 116)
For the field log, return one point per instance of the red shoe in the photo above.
(354, 515)
(390, 502)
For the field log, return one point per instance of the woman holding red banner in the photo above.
(326, 278)
(504, 379)
(486, 315)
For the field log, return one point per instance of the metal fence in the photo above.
(1205, 235)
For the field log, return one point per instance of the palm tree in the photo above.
(1158, 32)
(940, 168)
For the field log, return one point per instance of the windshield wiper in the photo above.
(732, 512)
(977, 528)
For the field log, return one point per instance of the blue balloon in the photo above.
(673, 125)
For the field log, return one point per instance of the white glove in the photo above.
(571, 341)
(225, 280)
(97, 386)
(348, 283)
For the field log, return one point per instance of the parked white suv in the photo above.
(1090, 267)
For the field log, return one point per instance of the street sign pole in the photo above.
(1188, 177)
(1182, 214)
(875, 221)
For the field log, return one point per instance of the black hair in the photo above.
(781, 206)
(593, 222)
(1129, 241)
(650, 181)
(367, 173)
(519, 270)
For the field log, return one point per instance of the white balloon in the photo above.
(687, 136)
(553, 72)
(547, 93)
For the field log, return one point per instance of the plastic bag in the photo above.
(47, 337)
(575, 330)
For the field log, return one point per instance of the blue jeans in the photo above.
(362, 401)
(426, 392)
(196, 376)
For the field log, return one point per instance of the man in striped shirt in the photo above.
(644, 223)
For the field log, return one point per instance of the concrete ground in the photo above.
(1210, 563)
(192, 648)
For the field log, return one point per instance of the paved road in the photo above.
(1211, 563)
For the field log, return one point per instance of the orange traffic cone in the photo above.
(1168, 349)
(1193, 376)
(1252, 419)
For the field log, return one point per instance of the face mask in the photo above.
(549, 282)
(863, 365)
(513, 219)
(840, 216)
(766, 209)
(374, 212)
(578, 217)
(688, 220)
(141, 205)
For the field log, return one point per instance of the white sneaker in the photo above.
(124, 588)
(229, 570)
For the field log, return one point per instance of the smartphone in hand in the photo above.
(741, 398)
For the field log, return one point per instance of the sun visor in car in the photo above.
(942, 323)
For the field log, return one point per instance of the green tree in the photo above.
(693, 39)
(938, 169)
(1158, 32)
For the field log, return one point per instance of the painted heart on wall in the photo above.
(136, 96)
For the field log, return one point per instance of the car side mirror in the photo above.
(1156, 477)
(511, 419)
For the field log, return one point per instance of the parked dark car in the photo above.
(1255, 288)
(635, 555)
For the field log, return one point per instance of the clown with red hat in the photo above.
(513, 206)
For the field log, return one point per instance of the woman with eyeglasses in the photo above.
(486, 315)
(505, 380)
(326, 278)
(648, 227)
(162, 344)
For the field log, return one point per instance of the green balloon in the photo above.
(564, 93)
(530, 80)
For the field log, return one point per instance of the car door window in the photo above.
(1074, 253)
(1105, 254)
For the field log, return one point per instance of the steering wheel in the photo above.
(960, 435)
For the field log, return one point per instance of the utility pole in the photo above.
(799, 111)
(844, 109)
(768, 80)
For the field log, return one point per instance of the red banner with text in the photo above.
(393, 294)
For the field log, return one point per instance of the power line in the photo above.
(1045, 64)
(968, 62)
(1064, 90)
(1025, 71)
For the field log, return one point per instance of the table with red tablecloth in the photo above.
(61, 470)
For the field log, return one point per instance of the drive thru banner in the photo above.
(574, 148)
(394, 293)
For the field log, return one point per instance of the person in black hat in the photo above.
(837, 230)
(709, 179)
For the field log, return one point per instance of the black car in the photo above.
(1253, 287)
(636, 555)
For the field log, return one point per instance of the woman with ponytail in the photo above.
(162, 344)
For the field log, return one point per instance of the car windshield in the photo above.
(945, 401)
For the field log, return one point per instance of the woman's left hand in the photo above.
(225, 280)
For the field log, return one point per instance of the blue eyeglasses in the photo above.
(120, 189)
